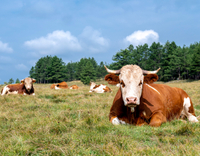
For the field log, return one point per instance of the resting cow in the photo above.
(99, 88)
(140, 102)
(25, 87)
(62, 85)
(74, 87)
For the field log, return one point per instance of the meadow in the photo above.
(75, 122)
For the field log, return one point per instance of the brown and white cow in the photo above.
(74, 87)
(62, 85)
(139, 101)
(99, 88)
(25, 87)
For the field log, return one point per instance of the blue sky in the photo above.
(74, 29)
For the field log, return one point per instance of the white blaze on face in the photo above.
(28, 82)
(131, 81)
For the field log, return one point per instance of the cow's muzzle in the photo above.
(131, 101)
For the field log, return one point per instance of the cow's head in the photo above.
(28, 82)
(131, 79)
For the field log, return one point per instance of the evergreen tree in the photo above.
(195, 68)
(10, 81)
(88, 73)
(17, 81)
(32, 73)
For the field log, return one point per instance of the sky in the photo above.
(75, 29)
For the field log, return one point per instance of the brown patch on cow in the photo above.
(112, 79)
(150, 78)
(107, 89)
(53, 86)
(96, 86)
(62, 85)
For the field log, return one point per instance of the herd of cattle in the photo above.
(138, 101)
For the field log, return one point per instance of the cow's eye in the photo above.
(140, 83)
(122, 83)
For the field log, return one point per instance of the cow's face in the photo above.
(131, 78)
(28, 82)
(131, 82)
(92, 85)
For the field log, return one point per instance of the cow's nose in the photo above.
(132, 100)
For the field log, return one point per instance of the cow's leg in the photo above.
(188, 110)
(157, 119)
(118, 120)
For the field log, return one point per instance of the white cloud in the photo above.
(141, 37)
(5, 48)
(5, 59)
(93, 41)
(54, 43)
(21, 67)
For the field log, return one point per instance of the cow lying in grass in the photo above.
(140, 102)
(62, 85)
(74, 87)
(99, 88)
(25, 87)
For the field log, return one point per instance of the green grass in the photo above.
(75, 122)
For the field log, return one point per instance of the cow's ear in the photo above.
(150, 78)
(33, 80)
(22, 81)
(112, 79)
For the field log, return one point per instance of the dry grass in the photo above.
(75, 122)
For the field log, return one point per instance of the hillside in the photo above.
(75, 122)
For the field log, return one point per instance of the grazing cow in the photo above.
(62, 85)
(25, 87)
(99, 88)
(139, 101)
(74, 87)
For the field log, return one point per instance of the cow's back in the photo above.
(168, 99)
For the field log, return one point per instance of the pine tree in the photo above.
(88, 73)
(17, 81)
(196, 62)
(10, 81)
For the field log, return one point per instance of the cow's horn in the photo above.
(112, 71)
(150, 72)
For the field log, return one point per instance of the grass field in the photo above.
(75, 122)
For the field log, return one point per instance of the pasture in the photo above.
(75, 122)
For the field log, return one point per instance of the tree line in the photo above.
(53, 70)
(176, 63)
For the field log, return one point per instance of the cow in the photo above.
(25, 87)
(62, 85)
(53, 86)
(74, 87)
(141, 102)
(99, 88)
